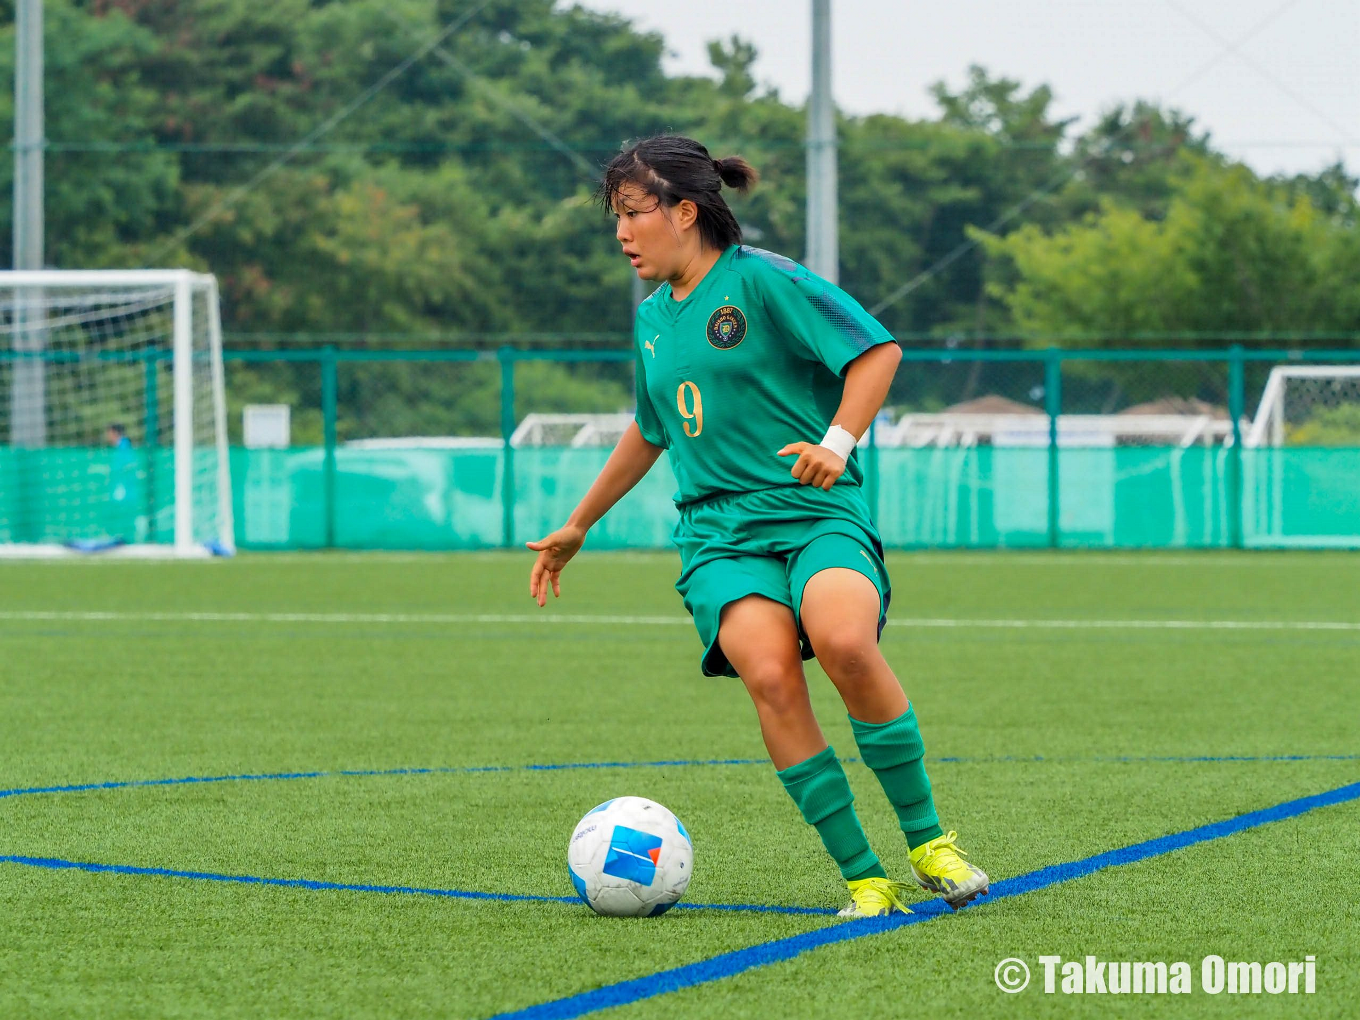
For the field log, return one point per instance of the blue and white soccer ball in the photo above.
(630, 857)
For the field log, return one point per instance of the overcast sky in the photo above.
(1285, 99)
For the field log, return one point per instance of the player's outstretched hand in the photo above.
(816, 465)
(553, 553)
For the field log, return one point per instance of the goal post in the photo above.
(113, 432)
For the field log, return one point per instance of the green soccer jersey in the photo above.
(750, 361)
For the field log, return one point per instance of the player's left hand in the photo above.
(816, 465)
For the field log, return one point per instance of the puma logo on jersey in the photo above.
(649, 346)
(871, 562)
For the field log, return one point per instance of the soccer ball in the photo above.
(630, 857)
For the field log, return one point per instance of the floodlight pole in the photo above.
(28, 418)
(28, 135)
(639, 295)
(823, 247)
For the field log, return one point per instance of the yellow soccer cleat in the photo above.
(875, 897)
(939, 867)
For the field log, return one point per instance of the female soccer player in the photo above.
(744, 358)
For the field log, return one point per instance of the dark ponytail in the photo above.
(673, 168)
(736, 173)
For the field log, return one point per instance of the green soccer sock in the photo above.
(819, 787)
(896, 753)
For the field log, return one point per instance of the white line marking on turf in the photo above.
(126, 616)
(1138, 624)
(971, 558)
(436, 618)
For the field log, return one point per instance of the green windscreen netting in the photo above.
(963, 456)
(940, 497)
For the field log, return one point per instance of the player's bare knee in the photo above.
(848, 658)
(776, 686)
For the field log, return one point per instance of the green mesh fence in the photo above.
(63, 494)
(1144, 497)
(1307, 497)
(1019, 449)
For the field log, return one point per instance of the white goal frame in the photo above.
(184, 284)
(1267, 428)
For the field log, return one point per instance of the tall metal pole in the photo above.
(823, 245)
(639, 295)
(28, 420)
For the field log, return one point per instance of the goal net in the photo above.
(571, 430)
(1309, 405)
(1302, 459)
(112, 414)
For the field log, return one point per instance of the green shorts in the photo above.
(769, 543)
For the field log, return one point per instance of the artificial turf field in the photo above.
(1072, 704)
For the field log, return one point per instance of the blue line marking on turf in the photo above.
(295, 883)
(60, 864)
(1105, 759)
(763, 954)
(649, 764)
(1008, 887)
(678, 763)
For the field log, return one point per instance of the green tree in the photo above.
(734, 59)
(1233, 256)
(1134, 154)
(458, 198)
(96, 202)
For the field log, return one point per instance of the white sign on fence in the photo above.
(266, 426)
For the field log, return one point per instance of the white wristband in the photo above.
(840, 442)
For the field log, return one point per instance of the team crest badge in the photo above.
(726, 327)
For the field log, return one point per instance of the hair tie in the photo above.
(717, 167)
